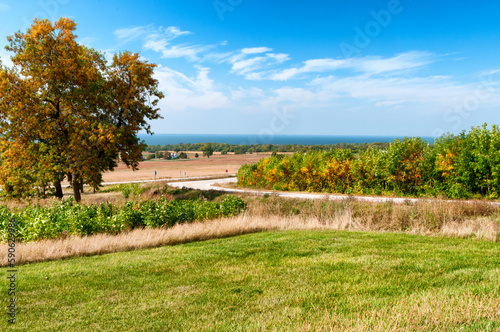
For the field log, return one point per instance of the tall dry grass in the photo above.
(74, 246)
(463, 219)
(431, 218)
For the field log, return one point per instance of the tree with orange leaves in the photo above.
(66, 114)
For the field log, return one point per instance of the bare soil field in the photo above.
(216, 165)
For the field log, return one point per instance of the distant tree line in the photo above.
(462, 166)
(225, 148)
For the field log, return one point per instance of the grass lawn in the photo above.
(293, 280)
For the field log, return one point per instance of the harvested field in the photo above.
(216, 165)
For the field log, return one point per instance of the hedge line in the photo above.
(46, 222)
(462, 166)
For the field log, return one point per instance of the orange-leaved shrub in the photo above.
(462, 166)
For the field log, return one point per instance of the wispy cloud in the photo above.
(160, 40)
(310, 66)
(128, 34)
(403, 61)
(384, 82)
(382, 91)
(148, 32)
(370, 64)
(174, 32)
(190, 52)
(247, 61)
(417, 93)
(256, 50)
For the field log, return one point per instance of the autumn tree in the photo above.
(66, 114)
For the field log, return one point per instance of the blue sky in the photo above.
(317, 67)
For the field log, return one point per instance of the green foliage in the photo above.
(130, 188)
(207, 149)
(126, 189)
(463, 166)
(48, 222)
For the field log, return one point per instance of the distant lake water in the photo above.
(164, 139)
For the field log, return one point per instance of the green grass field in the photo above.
(294, 280)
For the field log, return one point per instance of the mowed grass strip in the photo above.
(276, 281)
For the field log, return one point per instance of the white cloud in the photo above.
(438, 91)
(387, 83)
(149, 33)
(182, 92)
(174, 32)
(4, 7)
(160, 40)
(244, 62)
(129, 34)
(156, 45)
(371, 64)
(316, 65)
(420, 94)
(190, 52)
(247, 65)
(256, 50)
(403, 61)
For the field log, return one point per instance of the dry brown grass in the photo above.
(259, 217)
(431, 217)
(74, 246)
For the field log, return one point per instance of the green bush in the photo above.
(462, 166)
(131, 188)
(49, 222)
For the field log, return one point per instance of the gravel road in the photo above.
(211, 184)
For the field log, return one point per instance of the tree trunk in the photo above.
(59, 192)
(76, 189)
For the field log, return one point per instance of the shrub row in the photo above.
(462, 166)
(67, 217)
(126, 188)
